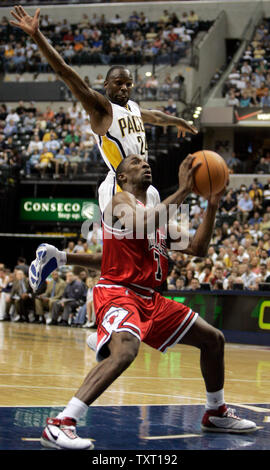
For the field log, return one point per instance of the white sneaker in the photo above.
(224, 420)
(89, 324)
(92, 341)
(61, 434)
(16, 318)
(48, 258)
(31, 317)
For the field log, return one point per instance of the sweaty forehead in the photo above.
(124, 74)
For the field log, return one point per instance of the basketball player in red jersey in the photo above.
(129, 310)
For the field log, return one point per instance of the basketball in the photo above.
(212, 175)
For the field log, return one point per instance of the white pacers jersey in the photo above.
(126, 136)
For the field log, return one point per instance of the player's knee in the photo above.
(125, 354)
(216, 340)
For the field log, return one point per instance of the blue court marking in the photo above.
(175, 427)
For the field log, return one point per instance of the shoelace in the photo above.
(230, 413)
(70, 431)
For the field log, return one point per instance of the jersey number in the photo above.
(158, 273)
(143, 144)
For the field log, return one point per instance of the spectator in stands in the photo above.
(194, 284)
(262, 91)
(151, 86)
(22, 265)
(74, 296)
(265, 223)
(70, 247)
(54, 291)
(45, 160)
(78, 248)
(73, 162)
(49, 114)
(3, 283)
(262, 167)
(231, 98)
(246, 68)
(171, 280)
(265, 100)
(242, 254)
(89, 312)
(206, 273)
(5, 289)
(192, 20)
(21, 298)
(32, 163)
(4, 161)
(244, 206)
(10, 128)
(248, 277)
(256, 219)
(171, 108)
(217, 276)
(60, 161)
(228, 205)
(133, 21)
(165, 17)
(245, 99)
(116, 19)
(264, 272)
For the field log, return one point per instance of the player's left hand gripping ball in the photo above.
(48, 258)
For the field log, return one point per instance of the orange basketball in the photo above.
(212, 175)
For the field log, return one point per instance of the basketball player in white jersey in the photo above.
(116, 121)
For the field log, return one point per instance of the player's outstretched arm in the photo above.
(91, 260)
(158, 118)
(95, 104)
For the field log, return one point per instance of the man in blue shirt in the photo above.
(245, 206)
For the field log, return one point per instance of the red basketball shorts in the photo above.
(153, 319)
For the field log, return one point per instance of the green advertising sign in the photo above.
(59, 210)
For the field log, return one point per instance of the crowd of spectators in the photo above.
(98, 40)
(51, 144)
(64, 299)
(46, 144)
(238, 258)
(239, 252)
(248, 83)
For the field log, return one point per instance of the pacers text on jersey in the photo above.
(131, 124)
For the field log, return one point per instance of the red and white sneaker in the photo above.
(224, 420)
(61, 434)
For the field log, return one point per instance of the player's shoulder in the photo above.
(120, 198)
(133, 105)
(123, 197)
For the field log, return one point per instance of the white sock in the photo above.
(75, 409)
(214, 399)
(62, 258)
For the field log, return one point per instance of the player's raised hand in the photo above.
(24, 21)
(186, 173)
(185, 127)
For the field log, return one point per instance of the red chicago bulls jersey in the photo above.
(128, 260)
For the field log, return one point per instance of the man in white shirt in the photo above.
(248, 277)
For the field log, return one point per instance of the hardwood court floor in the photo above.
(44, 365)
(162, 395)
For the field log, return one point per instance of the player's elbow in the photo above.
(198, 250)
(63, 70)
